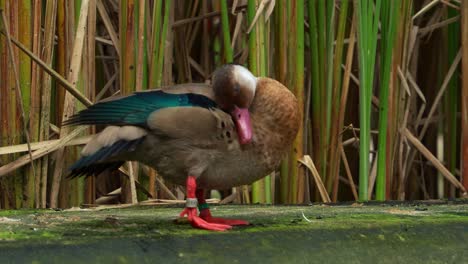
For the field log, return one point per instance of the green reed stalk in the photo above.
(257, 190)
(257, 63)
(330, 38)
(253, 62)
(390, 11)
(155, 45)
(127, 44)
(368, 21)
(226, 33)
(336, 125)
(316, 73)
(453, 94)
(280, 61)
(321, 32)
(141, 58)
(25, 37)
(160, 63)
(322, 39)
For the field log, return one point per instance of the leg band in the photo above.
(191, 203)
(203, 206)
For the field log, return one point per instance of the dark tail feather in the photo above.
(94, 169)
(102, 160)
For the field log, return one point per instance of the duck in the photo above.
(231, 132)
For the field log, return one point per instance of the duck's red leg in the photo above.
(206, 214)
(191, 210)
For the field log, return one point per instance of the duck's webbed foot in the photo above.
(205, 213)
(191, 210)
(198, 222)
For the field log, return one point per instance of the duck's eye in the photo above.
(236, 89)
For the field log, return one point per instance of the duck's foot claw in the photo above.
(198, 222)
(231, 222)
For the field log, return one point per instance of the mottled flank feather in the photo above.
(135, 109)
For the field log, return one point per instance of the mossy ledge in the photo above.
(384, 233)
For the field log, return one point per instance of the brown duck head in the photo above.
(234, 90)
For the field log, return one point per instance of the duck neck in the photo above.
(275, 119)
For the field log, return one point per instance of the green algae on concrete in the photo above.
(420, 233)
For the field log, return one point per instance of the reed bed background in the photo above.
(382, 85)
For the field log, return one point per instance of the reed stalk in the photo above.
(321, 42)
(7, 185)
(163, 59)
(253, 47)
(261, 189)
(128, 31)
(390, 11)
(258, 187)
(264, 40)
(368, 21)
(35, 90)
(50, 19)
(141, 82)
(25, 13)
(141, 63)
(329, 83)
(281, 62)
(452, 98)
(89, 191)
(62, 54)
(158, 35)
(156, 44)
(127, 44)
(70, 103)
(402, 56)
(324, 95)
(14, 134)
(343, 104)
(336, 126)
(297, 175)
(153, 81)
(4, 113)
(316, 74)
(228, 56)
(464, 97)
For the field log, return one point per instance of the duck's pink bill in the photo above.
(241, 118)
